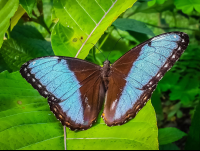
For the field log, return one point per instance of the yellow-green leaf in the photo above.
(18, 14)
(87, 20)
(7, 10)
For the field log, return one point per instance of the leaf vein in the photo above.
(86, 11)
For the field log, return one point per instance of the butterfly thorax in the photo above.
(105, 73)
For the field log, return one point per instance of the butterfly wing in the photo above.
(73, 87)
(135, 75)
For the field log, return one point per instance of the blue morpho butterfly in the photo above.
(76, 89)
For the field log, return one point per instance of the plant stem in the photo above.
(8, 33)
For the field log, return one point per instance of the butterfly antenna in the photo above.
(99, 50)
(114, 46)
(65, 143)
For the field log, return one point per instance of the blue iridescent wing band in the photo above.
(73, 87)
(135, 75)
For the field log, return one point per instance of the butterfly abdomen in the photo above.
(105, 73)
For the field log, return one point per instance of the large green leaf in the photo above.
(139, 133)
(193, 138)
(27, 123)
(83, 23)
(7, 10)
(24, 115)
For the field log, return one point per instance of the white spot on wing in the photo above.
(113, 104)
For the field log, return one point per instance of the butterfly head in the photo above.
(106, 63)
(106, 66)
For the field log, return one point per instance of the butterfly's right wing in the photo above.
(73, 87)
(135, 75)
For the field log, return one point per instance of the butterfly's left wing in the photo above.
(135, 75)
(73, 87)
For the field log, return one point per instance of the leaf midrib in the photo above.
(94, 29)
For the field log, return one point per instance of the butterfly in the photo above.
(76, 89)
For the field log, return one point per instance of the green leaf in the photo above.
(170, 146)
(3, 65)
(18, 14)
(156, 102)
(48, 12)
(25, 116)
(138, 133)
(167, 82)
(160, 1)
(22, 32)
(27, 123)
(169, 135)
(139, 36)
(28, 5)
(143, 0)
(193, 138)
(132, 25)
(143, 7)
(63, 41)
(186, 89)
(87, 20)
(15, 53)
(7, 10)
(151, 3)
(187, 6)
(179, 114)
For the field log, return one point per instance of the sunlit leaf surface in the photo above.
(83, 26)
